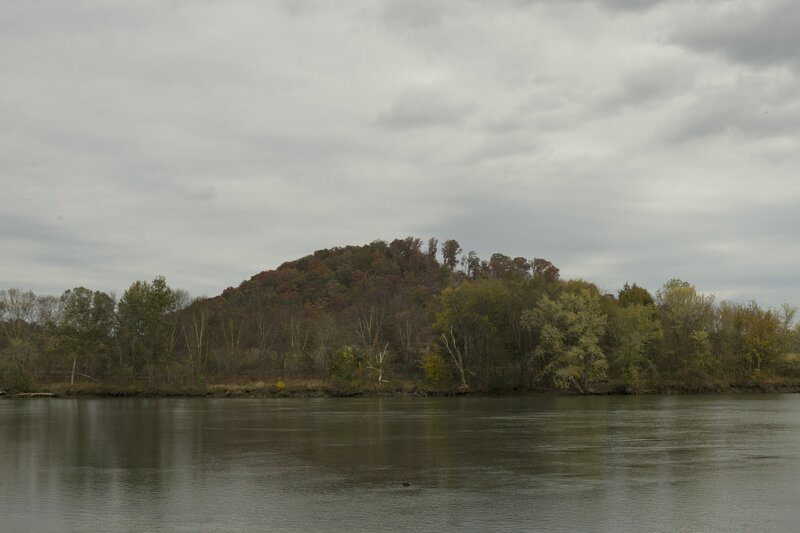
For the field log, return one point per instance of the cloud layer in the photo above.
(206, 141)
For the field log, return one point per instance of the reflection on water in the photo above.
(537, 463)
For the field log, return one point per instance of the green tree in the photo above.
(687, 319)
(638, 335)
(748, 339)
(762, 340)
(450, 252)
(346, 369)
(472, 266)
(436, 370)
(634, 295)
(569, 331)
(85, 328)
(728, 339)
(144, 325)
(473, 328)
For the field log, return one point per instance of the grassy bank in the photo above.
(299, 388)
(765, 384)
(254, 389)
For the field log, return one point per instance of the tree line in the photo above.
(367, 317)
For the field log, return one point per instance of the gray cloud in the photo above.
(629, 5)
(752, 108)
(419, 109)
(206, 141)
(652, 84)
(412, 14)
(756, 33)
(205, 194)
(609, 5)
(614, 243)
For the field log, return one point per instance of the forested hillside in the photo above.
(406, 315)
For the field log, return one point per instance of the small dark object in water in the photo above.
(406, 484)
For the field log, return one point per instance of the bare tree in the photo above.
(369, 325)
(196, 346)
(265, 337)
(377, 360)
(298, 333)
(457, 355)
(17, 312)
(232, 329)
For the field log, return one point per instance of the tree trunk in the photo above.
(458, 358)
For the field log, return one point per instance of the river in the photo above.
(528, 463)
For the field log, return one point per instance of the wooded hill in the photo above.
(401, 315)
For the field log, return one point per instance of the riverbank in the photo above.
(256, 389)
(329, 389)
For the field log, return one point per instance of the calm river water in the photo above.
(534, 463)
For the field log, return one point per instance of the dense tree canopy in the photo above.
(408, 310)
(84, 328)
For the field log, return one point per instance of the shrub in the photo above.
(345, 366)
(438, 373)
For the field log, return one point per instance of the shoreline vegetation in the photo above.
(394, 318)
(322, 389)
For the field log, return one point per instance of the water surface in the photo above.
(534, 463)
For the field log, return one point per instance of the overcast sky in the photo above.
(623, 140)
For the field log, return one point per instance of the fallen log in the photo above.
(34, 395)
